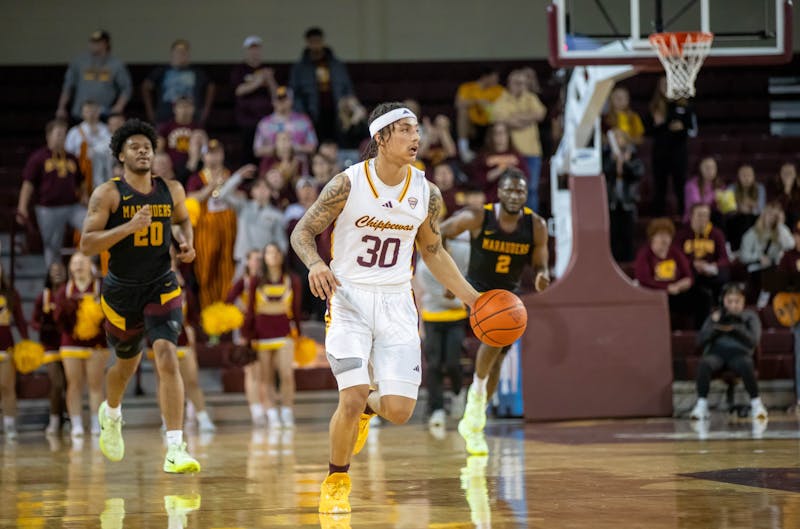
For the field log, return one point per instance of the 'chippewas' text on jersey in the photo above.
(144, 255)
(497, 257)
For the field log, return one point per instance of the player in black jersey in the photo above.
(505, 236)
(135, 217)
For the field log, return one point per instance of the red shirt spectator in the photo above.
(497, 156)
(702, 241)
(55, 177)
(659, 273)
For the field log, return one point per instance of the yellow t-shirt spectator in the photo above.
(526, 139)
(473, 92)
(629, 122)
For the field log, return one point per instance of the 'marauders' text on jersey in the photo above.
(144, 255)
(497, 257)
(373, 236)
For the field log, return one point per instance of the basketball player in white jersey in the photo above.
(381, 208)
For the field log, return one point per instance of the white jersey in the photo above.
(373, 238)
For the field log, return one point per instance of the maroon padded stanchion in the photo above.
(596, 345)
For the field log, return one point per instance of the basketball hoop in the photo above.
(682, 54)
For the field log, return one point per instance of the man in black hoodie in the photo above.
(318, 81)
(729, 338)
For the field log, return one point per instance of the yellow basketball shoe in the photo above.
(474, 418)
(111, 443)
(178, 507)
(363, 431)
(334, 521)
(334, 496)
(178, 460)
(476, 444)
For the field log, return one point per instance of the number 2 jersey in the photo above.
(497, 257)
(142, 256)
(373, 236)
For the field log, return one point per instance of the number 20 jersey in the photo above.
(373, 236)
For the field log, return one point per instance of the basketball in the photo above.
(499, 318)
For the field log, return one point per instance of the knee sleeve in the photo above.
(128, 347)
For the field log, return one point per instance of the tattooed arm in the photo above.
(439, 262)
(95, 237)
(318, 217)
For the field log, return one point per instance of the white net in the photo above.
(682, 55)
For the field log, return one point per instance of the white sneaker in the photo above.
(287, 417)
(438, 418)
(53, 426)
(273, 418)
(205, 425)
(700, 411)
(758, 411)
(457, 404)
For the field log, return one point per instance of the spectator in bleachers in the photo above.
(215, 232)
(254, 83)
(790, 266)
(321, 169)
(271, 325)
(444, 176)
(284, 119)
(258, 222)
(43, 321)
(623, 171)
(473, 111)
(703, 188)
(670, 123)
(89, 142)
(764, 244)
(319, 80)
(751, 198)
(55, 177)
(97, 76)
(84, 358)
(436, 143)
(353, 129)
(10, 314)
(661, 266)
(729, 337)
(280, 193)
(178, 137)
(330, 149)
(704, 246)
(306, 192)
(115, 120)
(285, 159)
(162, 166)
(522, 111)
(255, 388)
(165, 84)
(497, 155)
(620, 116)
(785, 188)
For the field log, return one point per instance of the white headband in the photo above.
(387, 119)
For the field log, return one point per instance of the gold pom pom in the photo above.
(28, 356)
(305, 350)
(193, 207)
(88, 318)
(219, 318)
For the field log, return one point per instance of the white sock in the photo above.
(756, 402)
(272, 414)
(54, 420)
(479, 384)
(256, 411)
(174, 437)
(202, 416)
(702, 401)
(77, 423)
(113, 413)
(8, 422)
(463, 145)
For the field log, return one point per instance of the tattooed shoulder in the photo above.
(335, 191)
(434, 208)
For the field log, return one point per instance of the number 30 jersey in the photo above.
(373, 236)
(144, 255)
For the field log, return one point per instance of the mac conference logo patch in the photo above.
(412, 201)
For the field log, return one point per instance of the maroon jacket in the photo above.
(653, 272)
(707, 246)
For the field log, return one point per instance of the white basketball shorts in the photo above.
(373, 338)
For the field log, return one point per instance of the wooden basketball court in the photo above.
(656, 473)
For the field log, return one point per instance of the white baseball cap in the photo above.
(252, 40)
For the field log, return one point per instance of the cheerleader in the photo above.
(10, 309)
(84, 358)
(273, 303)
(255, 388)
(43, 321)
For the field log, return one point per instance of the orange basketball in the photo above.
(499, 318)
